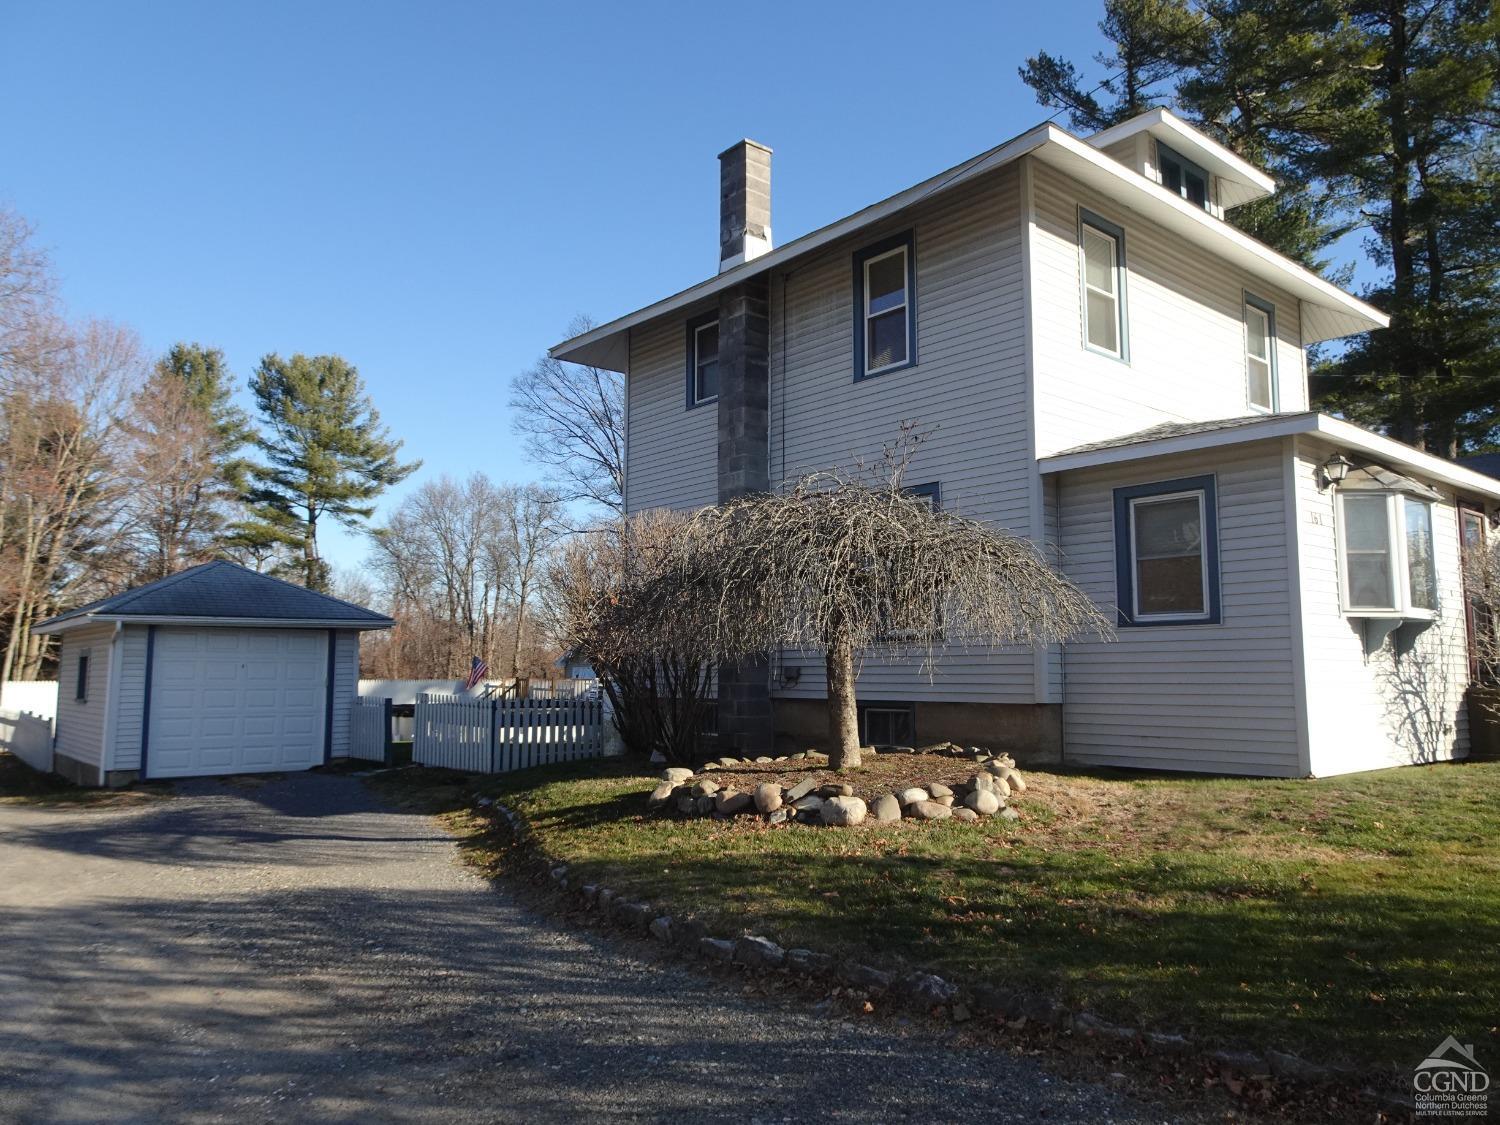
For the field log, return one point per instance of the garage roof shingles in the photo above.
(226, 590)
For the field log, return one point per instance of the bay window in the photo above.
(1388, 554)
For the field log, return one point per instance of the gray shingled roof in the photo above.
(226, 590)
(1180, 429)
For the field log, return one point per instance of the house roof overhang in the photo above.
(1337, 432)
(1327, 311)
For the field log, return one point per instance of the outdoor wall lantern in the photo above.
(1335, 469)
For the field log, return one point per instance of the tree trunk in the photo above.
(843, 715)
(1409, 425)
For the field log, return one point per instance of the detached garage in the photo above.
(215, 670)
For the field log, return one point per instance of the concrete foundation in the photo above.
(1030, 731)
(79, 773)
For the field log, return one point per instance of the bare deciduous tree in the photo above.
(573, 419)
(530, 524)
(459, 563)
(178, 498)
(61, 496)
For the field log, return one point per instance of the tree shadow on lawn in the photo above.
(1330, 960)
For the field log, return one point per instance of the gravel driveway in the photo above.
(290, 951)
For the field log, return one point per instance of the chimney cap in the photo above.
(744, 141)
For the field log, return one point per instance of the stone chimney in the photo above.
(744, 203)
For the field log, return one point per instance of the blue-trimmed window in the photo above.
(1260, 354)
(703, 359)
(1167, 552)
(932, 492)
(885, 306)
(1181, 176)
(81, 688)
(1101, 252)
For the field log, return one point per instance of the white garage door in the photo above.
(236, 701)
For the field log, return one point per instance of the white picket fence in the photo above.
(500, 735)
(370, 729)
(28, 737)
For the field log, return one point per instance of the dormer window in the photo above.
(1182, 177)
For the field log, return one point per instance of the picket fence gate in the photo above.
(370, 729)
(497, 735)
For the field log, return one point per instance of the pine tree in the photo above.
(1150, 38)
(327, 454)
(1418, 164)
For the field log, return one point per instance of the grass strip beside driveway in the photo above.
(1350, 920)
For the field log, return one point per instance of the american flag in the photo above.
(479, 668)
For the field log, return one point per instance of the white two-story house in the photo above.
(1112, 370)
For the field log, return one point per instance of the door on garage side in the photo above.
(229, 701)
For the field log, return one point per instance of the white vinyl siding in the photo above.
(81, 723)
(1366, 711)
(968, 388)
(671, 451)
(130, 651)
(1202, 697)
(1186, 329)
(345, 689)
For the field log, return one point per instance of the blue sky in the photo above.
(434, 190)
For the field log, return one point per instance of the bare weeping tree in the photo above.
(849, 563)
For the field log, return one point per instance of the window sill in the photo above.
(1399, 615)
(703, 402)
(1166, 622)
(879, 371)
(1102, 354)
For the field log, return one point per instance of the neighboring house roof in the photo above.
(1190, 437)
(1486, 463)
(221, 593)
(1328, 311)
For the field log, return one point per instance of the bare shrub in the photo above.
(657, 671)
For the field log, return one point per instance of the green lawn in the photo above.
(1353, 920)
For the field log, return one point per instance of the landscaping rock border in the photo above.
(685, 793)
(925, 992)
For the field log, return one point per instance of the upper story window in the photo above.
(1182, 177)
(885, 331)
(1260, 353)
(1167, 553)
(1389, 563)
(1101, 245)
(703, 359)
